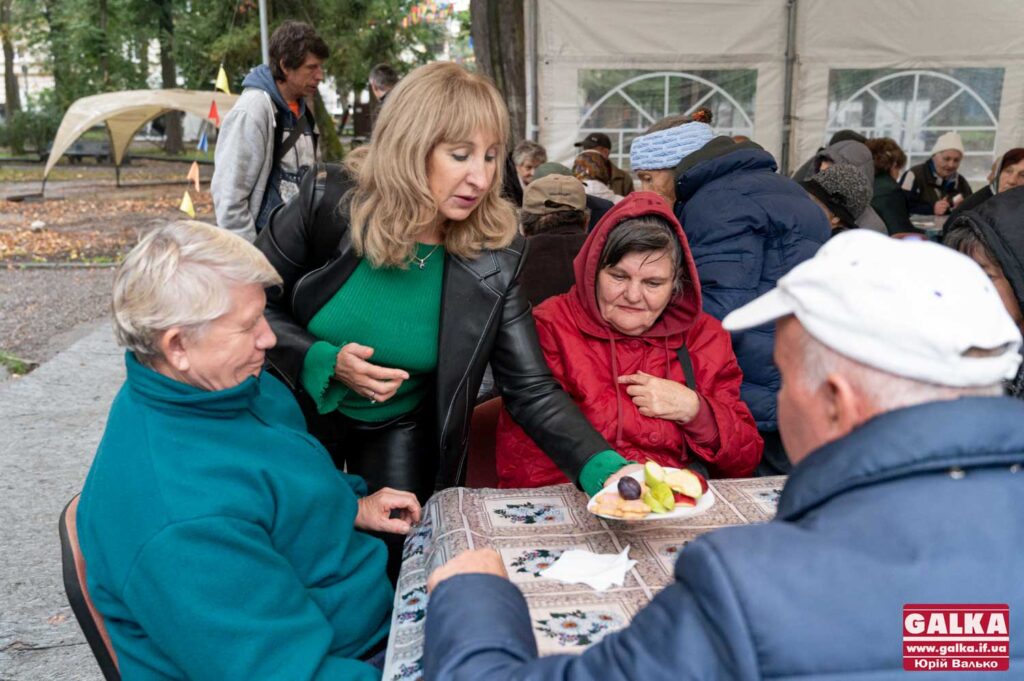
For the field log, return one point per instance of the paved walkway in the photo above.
(50, 424)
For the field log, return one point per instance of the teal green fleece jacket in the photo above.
(219, 541)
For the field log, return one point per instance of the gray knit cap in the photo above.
(843, 188)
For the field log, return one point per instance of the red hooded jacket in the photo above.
(586, 356)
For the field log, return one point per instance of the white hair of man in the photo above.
(528, 150)
(181, 275)
(884, 390)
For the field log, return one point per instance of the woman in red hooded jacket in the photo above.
(618, 342)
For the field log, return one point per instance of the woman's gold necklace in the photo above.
(422, 262)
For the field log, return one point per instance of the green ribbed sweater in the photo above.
(394, 311)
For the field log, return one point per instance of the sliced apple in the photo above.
(687, 482)
(683, 500)
(653, 473)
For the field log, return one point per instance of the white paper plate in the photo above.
(678, 513)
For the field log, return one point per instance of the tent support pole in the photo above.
(117, 174)
(532, 89)
(787, 101)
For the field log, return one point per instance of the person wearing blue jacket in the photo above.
(747, 227)
(907, 489)
(220, 541)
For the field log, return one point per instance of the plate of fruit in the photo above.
(655, 493)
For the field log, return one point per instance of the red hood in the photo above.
(684, 307)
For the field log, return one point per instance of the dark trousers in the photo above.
(774, 461)
(401, 453)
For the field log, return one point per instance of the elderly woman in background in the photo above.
(653, 373)
(527, 156)
(1007, 173)
(397, 297)
(221, 542)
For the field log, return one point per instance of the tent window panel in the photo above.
(622, 103)
(914, 107)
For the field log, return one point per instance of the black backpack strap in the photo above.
(282, 147)
(684, 359)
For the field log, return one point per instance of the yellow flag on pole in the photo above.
(186, 205)
(222, 81)
(193, 174)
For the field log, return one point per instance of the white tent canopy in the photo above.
(908, 70)
(125, 112)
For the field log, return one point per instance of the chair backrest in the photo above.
(482, 469)
(89, 619)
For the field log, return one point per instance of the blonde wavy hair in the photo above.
(391, 203)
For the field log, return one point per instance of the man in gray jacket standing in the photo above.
(269, 138)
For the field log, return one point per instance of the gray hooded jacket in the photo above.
(244, 157)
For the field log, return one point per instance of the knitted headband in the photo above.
(666, 148)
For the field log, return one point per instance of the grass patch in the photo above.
(15, 365)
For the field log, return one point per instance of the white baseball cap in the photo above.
(912, 308)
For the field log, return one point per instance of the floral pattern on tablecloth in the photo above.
(412, 606)
(417, 540)
(408, 671)
(534, 561)
(530, 513)
(578, 628)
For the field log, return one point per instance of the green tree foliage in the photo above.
(94, 46)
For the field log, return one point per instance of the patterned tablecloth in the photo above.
(531, 528)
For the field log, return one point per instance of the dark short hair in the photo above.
(645, 234)
(535, 223)
(383, 76)
(886, 154)
(291, 43)
(963, 236)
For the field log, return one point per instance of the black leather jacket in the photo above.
(484, 319)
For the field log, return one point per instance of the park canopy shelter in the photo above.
(125, 112)
(909, 70)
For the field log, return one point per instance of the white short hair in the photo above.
(884, 390)
(181, 275)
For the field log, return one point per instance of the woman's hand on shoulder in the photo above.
(388, 510)
(373, 382)
(661, 398)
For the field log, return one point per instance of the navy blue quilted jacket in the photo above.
(918, 505)
(747, 226)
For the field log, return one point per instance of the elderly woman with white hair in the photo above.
(221, 541)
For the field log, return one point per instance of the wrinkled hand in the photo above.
(369, 380)
(941, 207)
(375, 511)
(480, 561)
(661, 398)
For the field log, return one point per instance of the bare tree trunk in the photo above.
(168, 74)
(104, 45)
(11, 92)
(330, 143)
(498, 30)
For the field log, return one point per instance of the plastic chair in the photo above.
(89, 619)
(482, 467)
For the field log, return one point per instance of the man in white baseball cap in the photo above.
(908, 489)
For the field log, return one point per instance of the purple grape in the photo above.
(629, 488)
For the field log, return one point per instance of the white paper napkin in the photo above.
(600, 571)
